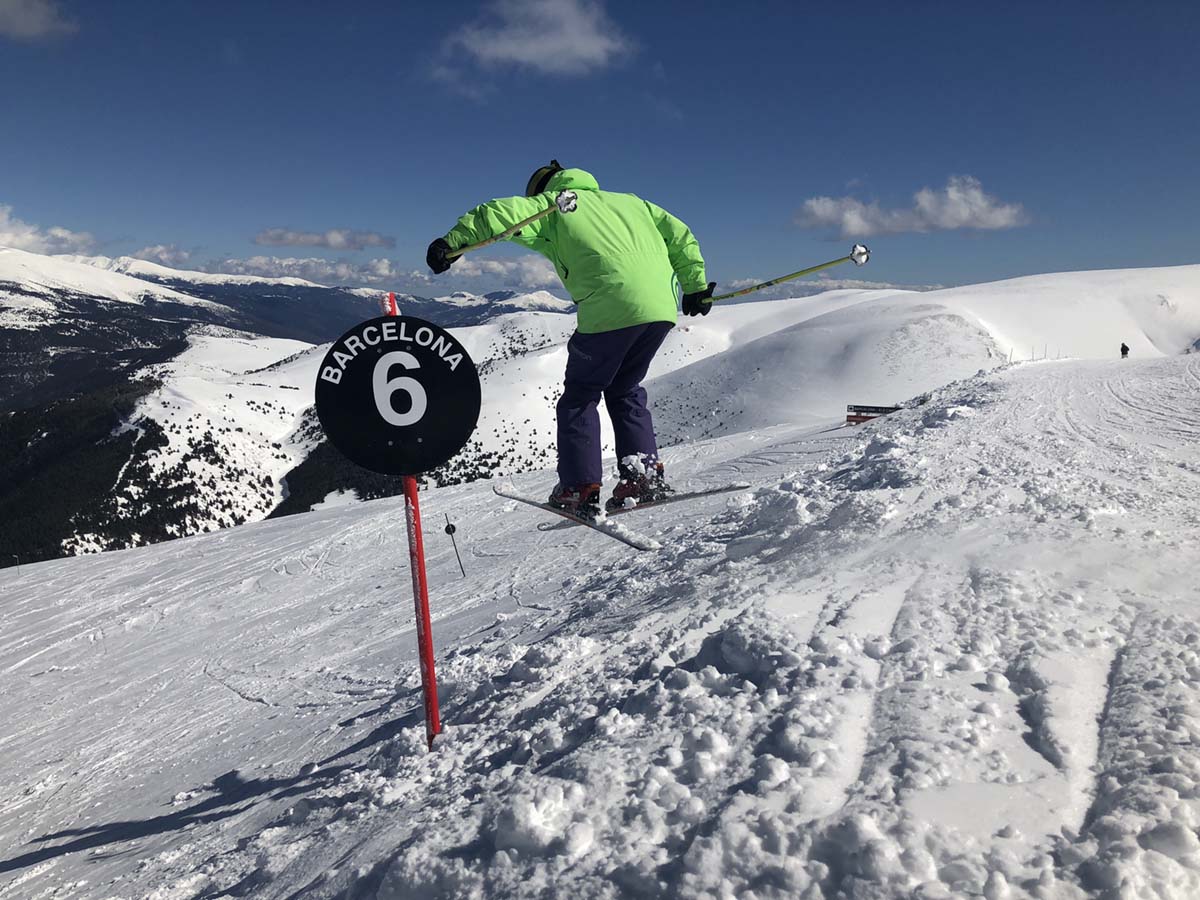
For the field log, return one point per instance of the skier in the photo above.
(1124, 350)
(622, 259)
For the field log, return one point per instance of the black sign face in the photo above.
(398, 395)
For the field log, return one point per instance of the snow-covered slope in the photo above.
(141, 268)
(155, 272)
(745, 366)
(510, 301)
(33, 288)
(750, 365)
(952, 653)
(879, 347)
(217, 436)
(1086, 314)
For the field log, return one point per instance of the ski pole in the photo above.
(565, 202)
(859, 254)
(450, 529)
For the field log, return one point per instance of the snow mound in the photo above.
(877, 348)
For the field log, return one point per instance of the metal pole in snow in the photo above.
(416, 553)
(416, 556)
(450, 529)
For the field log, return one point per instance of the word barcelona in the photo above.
(390, 332)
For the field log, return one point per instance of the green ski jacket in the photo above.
(620, 257)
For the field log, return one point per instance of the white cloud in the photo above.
(31, 20)
(564, 37)
(524, 271)
(961, 204)
(164, 254)
(334, 238)
(324, 271)
(24, 236)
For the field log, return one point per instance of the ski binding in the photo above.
(654, 504)
(601, 524)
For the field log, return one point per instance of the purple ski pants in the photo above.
(611, 364)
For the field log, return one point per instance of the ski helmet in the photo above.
(539, 179)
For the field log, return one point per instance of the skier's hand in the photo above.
(435, 256)
(699, 303)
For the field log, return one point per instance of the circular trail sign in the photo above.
(398, 395)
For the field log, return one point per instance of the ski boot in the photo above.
(640, 482)
(581, 500)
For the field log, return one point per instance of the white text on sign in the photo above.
(397, 331)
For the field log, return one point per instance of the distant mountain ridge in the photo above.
(152, 271)
(70, 323)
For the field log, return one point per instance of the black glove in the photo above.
(435, 256)
(699, 303)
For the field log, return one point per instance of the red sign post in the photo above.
(400, 396)
(416, 556)
(416, 560)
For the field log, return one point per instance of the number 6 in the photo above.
(384, 389)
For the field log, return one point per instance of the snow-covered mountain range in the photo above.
(206, 422)
(97, 358)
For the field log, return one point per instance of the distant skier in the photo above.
(621, 258)
(1124, 350)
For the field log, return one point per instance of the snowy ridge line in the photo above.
(140, 268)
(33, 274)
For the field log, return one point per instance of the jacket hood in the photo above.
(572, 180)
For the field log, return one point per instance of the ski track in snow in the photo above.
(952, 653)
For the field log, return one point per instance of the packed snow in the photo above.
(953, 652)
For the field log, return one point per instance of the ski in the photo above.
(612, 529)
(672, 498)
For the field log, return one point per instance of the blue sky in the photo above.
(962, 142)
